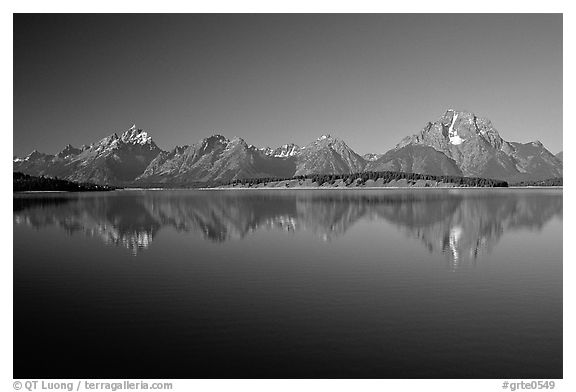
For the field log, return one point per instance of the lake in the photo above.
(390, 283)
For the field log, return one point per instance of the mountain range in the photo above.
(458, 143)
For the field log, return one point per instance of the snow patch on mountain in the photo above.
(371, 156)
(452, 134)
(266, 151)
(287, 150)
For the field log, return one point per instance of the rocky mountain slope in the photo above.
(476, 149)
(214, 159)
(560, 156)
(328, 155)
(416, 159)
(112, 160)
(458, 143)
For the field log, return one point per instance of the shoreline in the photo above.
(373, 188)
(303, 188)
(43, 192)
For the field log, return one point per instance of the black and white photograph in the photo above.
(287, 196)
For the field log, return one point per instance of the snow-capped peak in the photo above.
(266, 150)
(287, 150)
(452, 134)
(324, 137)
(136, 136)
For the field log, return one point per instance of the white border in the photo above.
(307, 6)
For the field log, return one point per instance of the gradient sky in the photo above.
(273, 79)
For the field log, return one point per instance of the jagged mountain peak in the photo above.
(326, 140)
(237, 139)
(68, 151)
(286, 150)
(106, 141)
(180, 149)
(264, 150)
(477, 149)
(454, 130)
(218, 142)
(135, 136)
(235, 143)
(35, 154)
(328, 155)
(460, 112)
(213, 141)
(219, 137)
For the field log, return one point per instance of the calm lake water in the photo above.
(327, 284)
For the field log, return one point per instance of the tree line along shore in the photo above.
(369, 180)
(26, 183)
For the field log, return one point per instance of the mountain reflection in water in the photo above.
(458, 223)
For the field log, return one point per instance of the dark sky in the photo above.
(273, 79)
